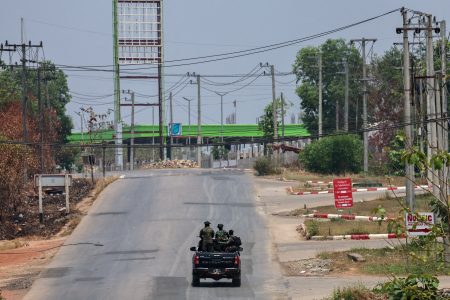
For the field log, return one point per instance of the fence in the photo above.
(239, 156)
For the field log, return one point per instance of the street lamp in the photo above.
(81, 123)
(221, 112)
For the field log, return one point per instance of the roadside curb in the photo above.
(319, 182)
(370, 236)
(346, 217)
(331, 191)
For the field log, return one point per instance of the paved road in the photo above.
(146, 223)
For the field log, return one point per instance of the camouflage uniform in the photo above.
(221, 238)
(207, 234)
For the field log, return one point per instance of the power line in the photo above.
(247, 52)
(373, 128)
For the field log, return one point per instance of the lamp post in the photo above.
(81, 124)
(221, 112)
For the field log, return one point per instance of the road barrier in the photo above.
(371, 189)
(345, 217)
(373, 236)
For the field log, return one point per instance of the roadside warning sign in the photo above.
(343, 197)
(416, 226)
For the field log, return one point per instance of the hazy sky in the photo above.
(80, 33)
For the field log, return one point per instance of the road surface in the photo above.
(146, 223)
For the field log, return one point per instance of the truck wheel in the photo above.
(195, 280)
(237, 281)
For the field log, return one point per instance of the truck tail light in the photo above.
(196, 260)
(237, 260)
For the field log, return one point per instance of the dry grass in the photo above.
(13, 244)
(391, 205)
(385, 261)
(73, 222)
(341, 227)
(101, 184)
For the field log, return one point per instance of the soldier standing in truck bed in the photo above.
(207, 235)
(221, 238)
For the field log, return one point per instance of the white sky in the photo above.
(80, 33)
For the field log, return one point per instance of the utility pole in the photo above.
(444, 81)
(161, 120)
(132, 133)
(320, 94)
(409, 169)
(199, 124)
(221, 116)
(346, 95)
(23, 48)
(431, 104)
(235, 111)
(131, 93)
(282, 117)
(170, 138)
(274, 105)
(363, 42)
(171, 107)
(444, 103)
(24, 94)
(189, 118)
(345, 64)
(41, 119)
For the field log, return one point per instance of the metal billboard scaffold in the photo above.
(138, 40)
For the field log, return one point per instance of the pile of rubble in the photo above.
(307, 267)
(171, 164)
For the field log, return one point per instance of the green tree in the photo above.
(386, 95)
(395, 151)
(333, 155)
(334, 52)
(265, 123)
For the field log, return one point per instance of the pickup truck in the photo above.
(216, 265)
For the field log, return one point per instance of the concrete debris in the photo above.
(356, 257)
(171, 164)
(307, 267)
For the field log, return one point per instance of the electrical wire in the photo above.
(235, 90)
(253, 72)
(247, 52)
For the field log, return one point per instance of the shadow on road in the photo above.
(216, 284)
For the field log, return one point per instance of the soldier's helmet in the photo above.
(220, 226)
(207, 223)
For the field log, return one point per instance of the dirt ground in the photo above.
(24, 222)
(21, 266)
(22, 259)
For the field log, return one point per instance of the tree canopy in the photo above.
(334, 53)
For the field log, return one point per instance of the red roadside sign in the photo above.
(416, 226)
(343, 196)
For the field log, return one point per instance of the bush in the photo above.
(358, 292)
(424, 287)
(312, 228)
(333, 155)
(263, 166)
